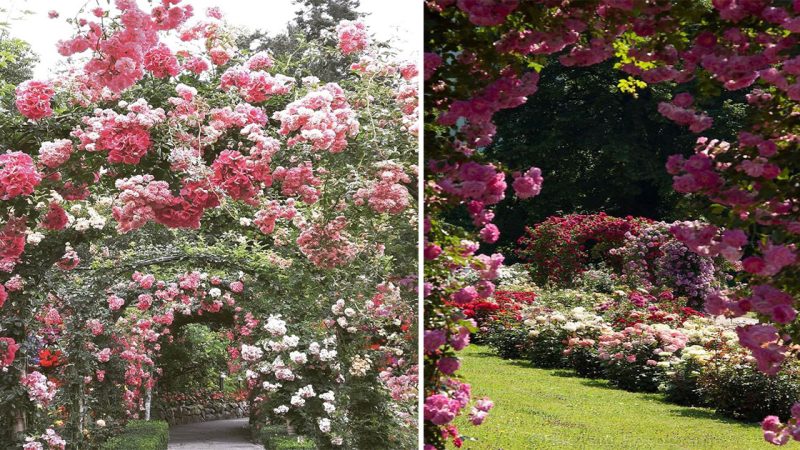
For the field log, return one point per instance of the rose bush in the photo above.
(169, 177)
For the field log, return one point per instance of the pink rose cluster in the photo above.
(40, 390)
(764, 342)
(479, 185)
(259, 61)
(772, 260)
(529, 183)
(18, 175)
(299, 180)
(12, 243)
(121, 57)
(327, 245)
(322, 118)
(8, 351)
(33, 99)
(708, 240)
(255, 86)
(508, 91)
(142, 199)
(161, 62)
(624, 345)
(126, 137)
(777, 433)
(680, 112)
(696, 173)
(233, 174)
(387, 195)
(269, 214)
(486, 12)
(54, 154)
(352, 35)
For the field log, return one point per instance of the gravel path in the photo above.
(215, 435)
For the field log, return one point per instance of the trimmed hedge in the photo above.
(141, 435)
(276, 437)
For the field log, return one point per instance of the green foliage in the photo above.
(313, 20)
(141, 435)
(276, 437)
(739, 391)
(599, 149)
(194, 360)
(16, 65)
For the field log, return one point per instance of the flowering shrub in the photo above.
(485, 56)
(693, 360)
(560, 248)
(172, 179)
(653, 257)
(626, 350)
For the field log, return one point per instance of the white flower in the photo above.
(338, 307)
(251, 353)
(101, 423)
(337, 441)
(328, 407)
(342, 321)
(275, 326)
(327, 355)
(283, 409)
(284, 374)
(81, 224)
(291, 341)
(269, 387)
(328, 396)
(324, 425)
(297, 401)
(313, 348)
(360, 365)
(349, 312)
(310, 80)
(214, 292)
(34, 238)
(306, 391)
(245, 222)
(298, 357)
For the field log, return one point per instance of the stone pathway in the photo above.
(231, 434)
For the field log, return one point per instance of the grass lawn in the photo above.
(553, 409)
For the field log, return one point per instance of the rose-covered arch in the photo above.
(485, 55)
(169, 175)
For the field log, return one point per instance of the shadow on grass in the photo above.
(705, 414)
(484, 354)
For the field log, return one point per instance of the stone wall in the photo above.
(211, 410)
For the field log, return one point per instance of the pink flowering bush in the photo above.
(352, 36)
(485, 56)
(34, 98)
(172, 179)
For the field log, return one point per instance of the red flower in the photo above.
(48, 358)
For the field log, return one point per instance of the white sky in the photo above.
(398, 21)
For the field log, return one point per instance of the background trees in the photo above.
(600, 149)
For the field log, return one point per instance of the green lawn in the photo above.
(553, 409)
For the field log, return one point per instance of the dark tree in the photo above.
(313, 16)
(599, 149)
(312, 19)
(16, 65)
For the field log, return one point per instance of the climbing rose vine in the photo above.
(484, 56)
(168, 177)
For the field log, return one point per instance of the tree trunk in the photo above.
(148, 399)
